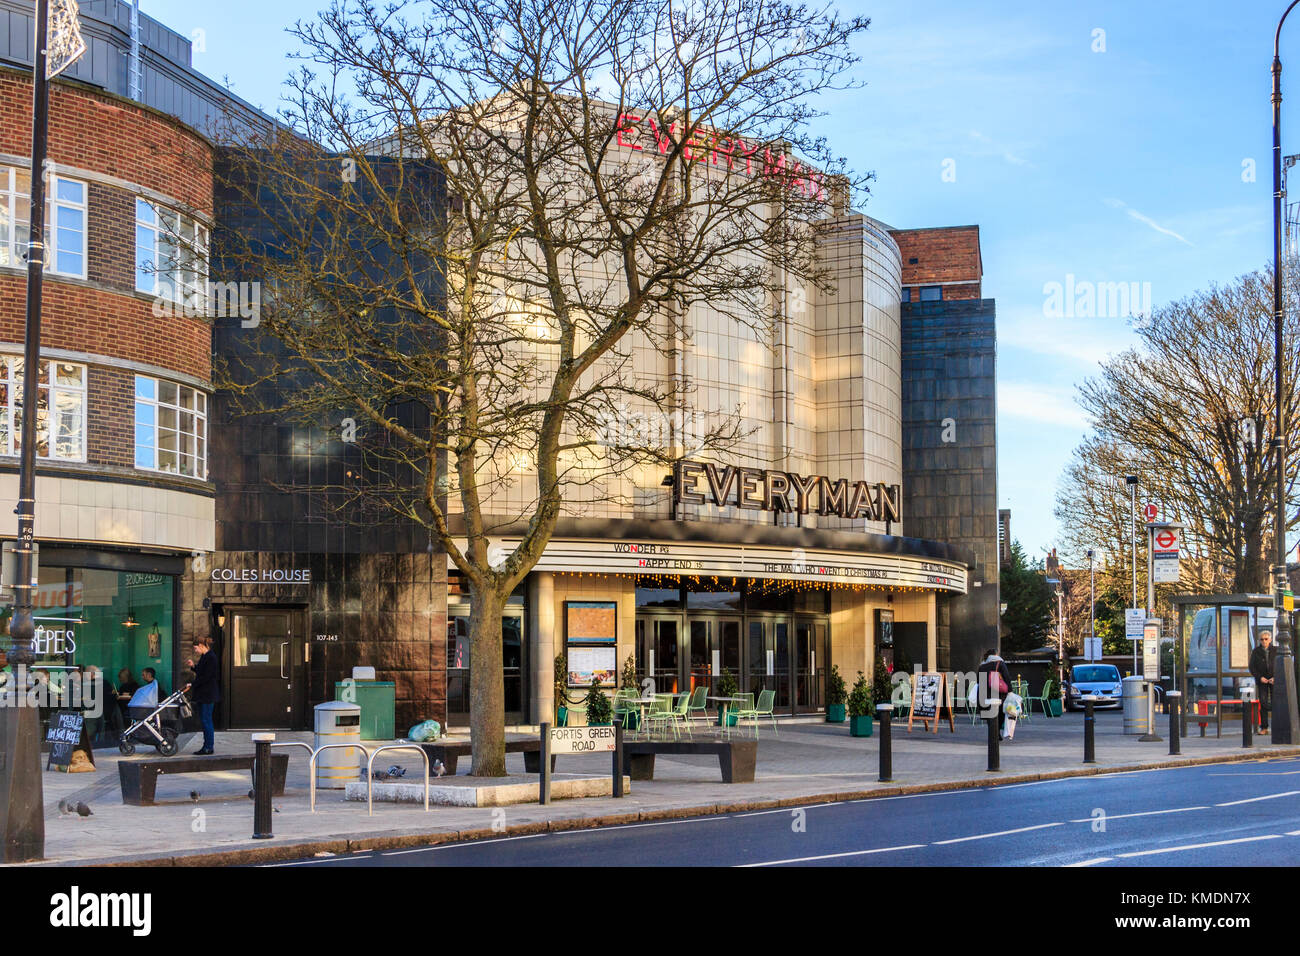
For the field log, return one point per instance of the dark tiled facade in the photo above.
(950, 486)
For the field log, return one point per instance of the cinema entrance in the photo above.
(767, 638)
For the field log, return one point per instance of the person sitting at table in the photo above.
(145, 699)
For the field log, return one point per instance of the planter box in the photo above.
(860, 726)
(731, 718)
(1055, 707)
(834, 713)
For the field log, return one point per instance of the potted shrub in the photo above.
(627, 681)
(1054, 699)
(561, 690)
(882, 682)
(600, 711)
(860, 704)
(727, 687)
(836, 696)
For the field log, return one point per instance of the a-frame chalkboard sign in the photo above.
(927, 702)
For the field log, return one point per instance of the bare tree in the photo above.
(589, 172)
(1191, 411)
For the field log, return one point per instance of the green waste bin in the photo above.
(376, 700)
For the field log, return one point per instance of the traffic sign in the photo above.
(1152, 512)
(1135, 619)
(1164, 553)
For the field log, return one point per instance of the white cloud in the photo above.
(1145, 220)
(1040, 403)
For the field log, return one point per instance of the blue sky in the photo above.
(1122, 164)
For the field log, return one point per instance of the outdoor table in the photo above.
(722, 711)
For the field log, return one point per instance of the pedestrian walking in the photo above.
(995, 680)
(1261, 668)
(205, 689)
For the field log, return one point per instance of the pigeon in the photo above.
(67, 808)
(194, 795)
(438, 768)
(396, 771)
(84, 811)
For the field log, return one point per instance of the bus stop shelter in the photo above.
(1216, 633)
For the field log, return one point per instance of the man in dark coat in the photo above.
(1261, 668)
(205, 690)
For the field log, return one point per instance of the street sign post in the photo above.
(1151, 512)
(1165, 542)
(579, 740)
(1134, 620)
(1092, 648)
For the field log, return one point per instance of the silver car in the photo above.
(1100, 680)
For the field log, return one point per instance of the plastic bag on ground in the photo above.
(425, 730)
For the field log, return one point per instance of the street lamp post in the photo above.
(1286, 718)
(1092, 604)
(1132, 482)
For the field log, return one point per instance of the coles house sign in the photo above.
(762, 489)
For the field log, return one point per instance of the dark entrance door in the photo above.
(809, 661)
(267, 679)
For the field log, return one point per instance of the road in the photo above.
(1214, 815)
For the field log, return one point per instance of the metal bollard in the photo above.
(995, 739)
(1247, 722)
(618, 760)
(1089, 733)
(1172, 699)
(262, 786)
(885, 712)
(544, 777)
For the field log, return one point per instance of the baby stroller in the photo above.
(159, 725)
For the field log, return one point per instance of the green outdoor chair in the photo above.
(699, 705)
(659, 716)
(1041, 700)
(764, 708)
(626, 708)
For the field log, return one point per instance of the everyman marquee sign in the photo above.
(762, 489)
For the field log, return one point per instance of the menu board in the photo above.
(64, 736)
(927, 697)
(591, 622)
(591, 663)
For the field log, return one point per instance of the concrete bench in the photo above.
(139, 778)
(736, 758)
(448, 753)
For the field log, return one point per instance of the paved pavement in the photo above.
(1215, 815)
(808, 761)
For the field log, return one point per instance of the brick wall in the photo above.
(105, 133)
(948, 254)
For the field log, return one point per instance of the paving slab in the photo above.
(207, 819)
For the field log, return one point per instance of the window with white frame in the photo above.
(65, 222)
(60, 409)
(171, 427)
(171, 256)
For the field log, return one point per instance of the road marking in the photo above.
(1257, 773)
(1293, 832)
(267, 866)
(1093, 862)
(1271, 796)
(835, 856)
(760, 813)
(1147, 813)
(634, 826)
(986, 836)
(469, 843)
(1201, 846)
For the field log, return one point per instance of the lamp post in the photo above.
(1092, 604)
(1132, 482)
(1286, 719)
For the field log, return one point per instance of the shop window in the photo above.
(907, 295)
(658, 597)
(101, 628)
(65, 222)
(931, 293)
(60, 409)
(171, 256)
(171, 428)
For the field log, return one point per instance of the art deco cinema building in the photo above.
(855, 517)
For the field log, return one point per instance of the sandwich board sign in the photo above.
(927, 698)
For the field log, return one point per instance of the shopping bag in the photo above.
(1014, 705)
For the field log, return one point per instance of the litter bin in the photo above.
(337, 722)
(1134, 700)
(376, 698)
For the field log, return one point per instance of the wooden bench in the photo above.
(736, 758)
(139, 778)
(448, 753)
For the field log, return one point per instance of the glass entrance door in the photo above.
(701, 642)
(781, 662)
(659, 654)
(267, 669)
(810, 660)
(458, 665)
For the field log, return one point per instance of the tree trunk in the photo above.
(487, 716)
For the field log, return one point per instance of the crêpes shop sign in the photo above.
(703, 146)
